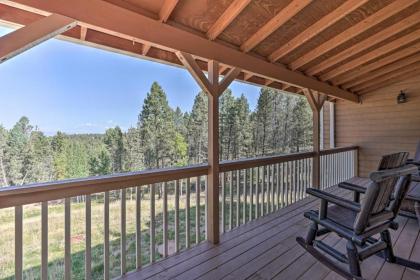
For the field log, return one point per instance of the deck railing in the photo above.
(160, 212)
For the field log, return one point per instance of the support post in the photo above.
(316, 101)
(214, 89)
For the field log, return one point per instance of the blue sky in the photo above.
(76, 89)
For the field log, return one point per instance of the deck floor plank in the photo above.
(266, 249)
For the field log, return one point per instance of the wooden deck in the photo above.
(266, 249)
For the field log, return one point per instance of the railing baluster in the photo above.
(67, 235)
(177, 216)
(18, 242)
(282, 184)
(152, 223)
(123, 231)
(223, 203)
(44, 240)
(138, 228)
(88, 238)
(205, 206)
(231, 201)
(106, 235)
(263, 191)
(277, 186)
(245, 195)
(268, 189)
(251, 192)
(238, 196)
(187, 214)
(257, 194)
(165, 219)
(197, 210)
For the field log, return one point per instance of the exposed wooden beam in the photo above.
(394, 45)
(394, 80)
(365, 44)
(350, 33)
(146, 49)
(115, 20)
(214, 89)
(275, 23)
(382, 71)
(406, 70)
(316, 28)
(222, 68)
(228, 79)
(83, 32)
(166, 10)
(316, 101)
(247, 76)
(31, 35)
(362, 70)
(229, 15)
(195, 70)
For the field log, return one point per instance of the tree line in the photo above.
(163, 137)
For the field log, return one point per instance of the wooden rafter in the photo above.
(350, 33)
(315, 100)
(189, 62)
(390, 81)
(316, 28)
(275, 23)
(167, 9)
(365, 44)
(405, 70)
(228, 79)
(394, 45)
(382, 71)
(234, 9)
(31, 35)
(118, 21)
(362, 70)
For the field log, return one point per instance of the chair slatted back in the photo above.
(393, 160)
(379, 205)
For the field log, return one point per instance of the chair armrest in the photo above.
(352, 187)
(354, 206)
(412, 161)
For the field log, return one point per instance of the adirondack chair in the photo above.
(359, 222)
(387, 162)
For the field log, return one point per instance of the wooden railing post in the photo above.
(316, 101)
(214, 88)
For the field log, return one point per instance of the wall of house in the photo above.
(379, 125)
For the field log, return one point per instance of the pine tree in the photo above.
(17, 150)
(243, 135)
(301, 126)
(3, 139)
(157, 129)
(227, 118)
(262, 126)
(134, 159)
(115, 146)
(100, 164)
(197, 130)
(39, 160)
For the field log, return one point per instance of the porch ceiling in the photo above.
(333, 47)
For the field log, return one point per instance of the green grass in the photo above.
(32, 232)
(32, 235)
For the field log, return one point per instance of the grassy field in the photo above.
(32, 235)
(32, 232)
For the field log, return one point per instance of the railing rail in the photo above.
(249, 188)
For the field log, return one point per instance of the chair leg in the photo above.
(389, 252)
(353, 258)
(310, 237)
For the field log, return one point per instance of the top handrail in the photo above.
(38, 192)
(338, 150)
